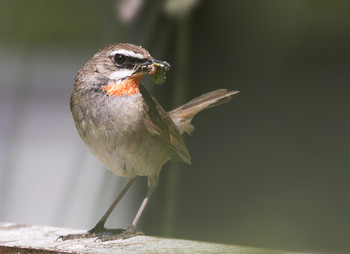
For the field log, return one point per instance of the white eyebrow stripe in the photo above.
(127, 53)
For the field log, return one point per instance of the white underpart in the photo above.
(121, 74)
(127, 53)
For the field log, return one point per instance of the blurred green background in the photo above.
(269, 169)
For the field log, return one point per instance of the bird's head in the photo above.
(118, 69)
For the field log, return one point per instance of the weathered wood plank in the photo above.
(16, 238)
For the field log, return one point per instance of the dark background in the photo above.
(269, 169)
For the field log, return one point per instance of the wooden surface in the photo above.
(16, 238)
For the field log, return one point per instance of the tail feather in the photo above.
(183, 115)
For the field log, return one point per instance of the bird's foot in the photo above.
(103, 234)
(76, 236)
(124, 234)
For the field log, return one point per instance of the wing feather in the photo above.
(162, 127)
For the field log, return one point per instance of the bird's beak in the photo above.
(161, 64)
(153, 64)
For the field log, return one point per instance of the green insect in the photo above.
(159, 73)
(159, 76)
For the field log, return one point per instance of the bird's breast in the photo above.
(115, 115)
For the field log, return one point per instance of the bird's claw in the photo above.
(76, 236)
(128, 233)
(103, 234)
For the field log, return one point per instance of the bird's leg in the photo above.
(131, 229)
(99, 228)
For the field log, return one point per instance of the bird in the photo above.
(124, 125)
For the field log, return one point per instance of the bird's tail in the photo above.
(183, 115)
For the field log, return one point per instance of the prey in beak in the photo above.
(157, 69)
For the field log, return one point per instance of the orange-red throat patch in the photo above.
(128, 86)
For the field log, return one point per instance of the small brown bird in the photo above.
(125, 127)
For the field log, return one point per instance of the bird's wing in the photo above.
(162, 127)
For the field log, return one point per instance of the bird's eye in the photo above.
(119, 58)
